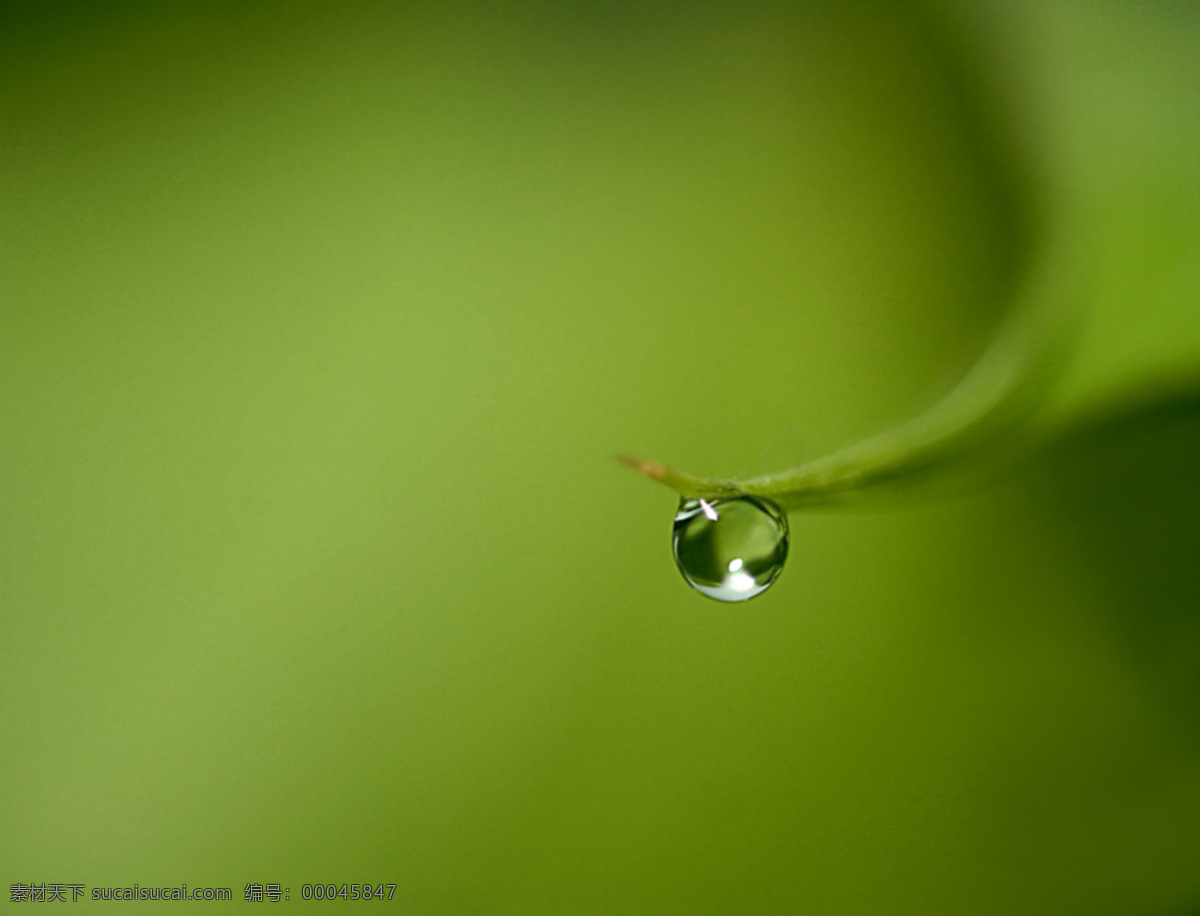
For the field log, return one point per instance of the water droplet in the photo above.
(730, 549)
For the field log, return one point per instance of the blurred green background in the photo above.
(320, 328)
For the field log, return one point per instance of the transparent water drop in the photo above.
(730, 549)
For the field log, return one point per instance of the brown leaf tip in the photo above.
(654, 469)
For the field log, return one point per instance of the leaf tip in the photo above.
(655, 470)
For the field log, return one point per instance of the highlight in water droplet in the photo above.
(730, 549)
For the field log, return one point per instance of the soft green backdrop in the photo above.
(320, 327)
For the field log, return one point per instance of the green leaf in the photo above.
(1080, 342)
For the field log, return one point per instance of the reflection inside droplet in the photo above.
(730, 549)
